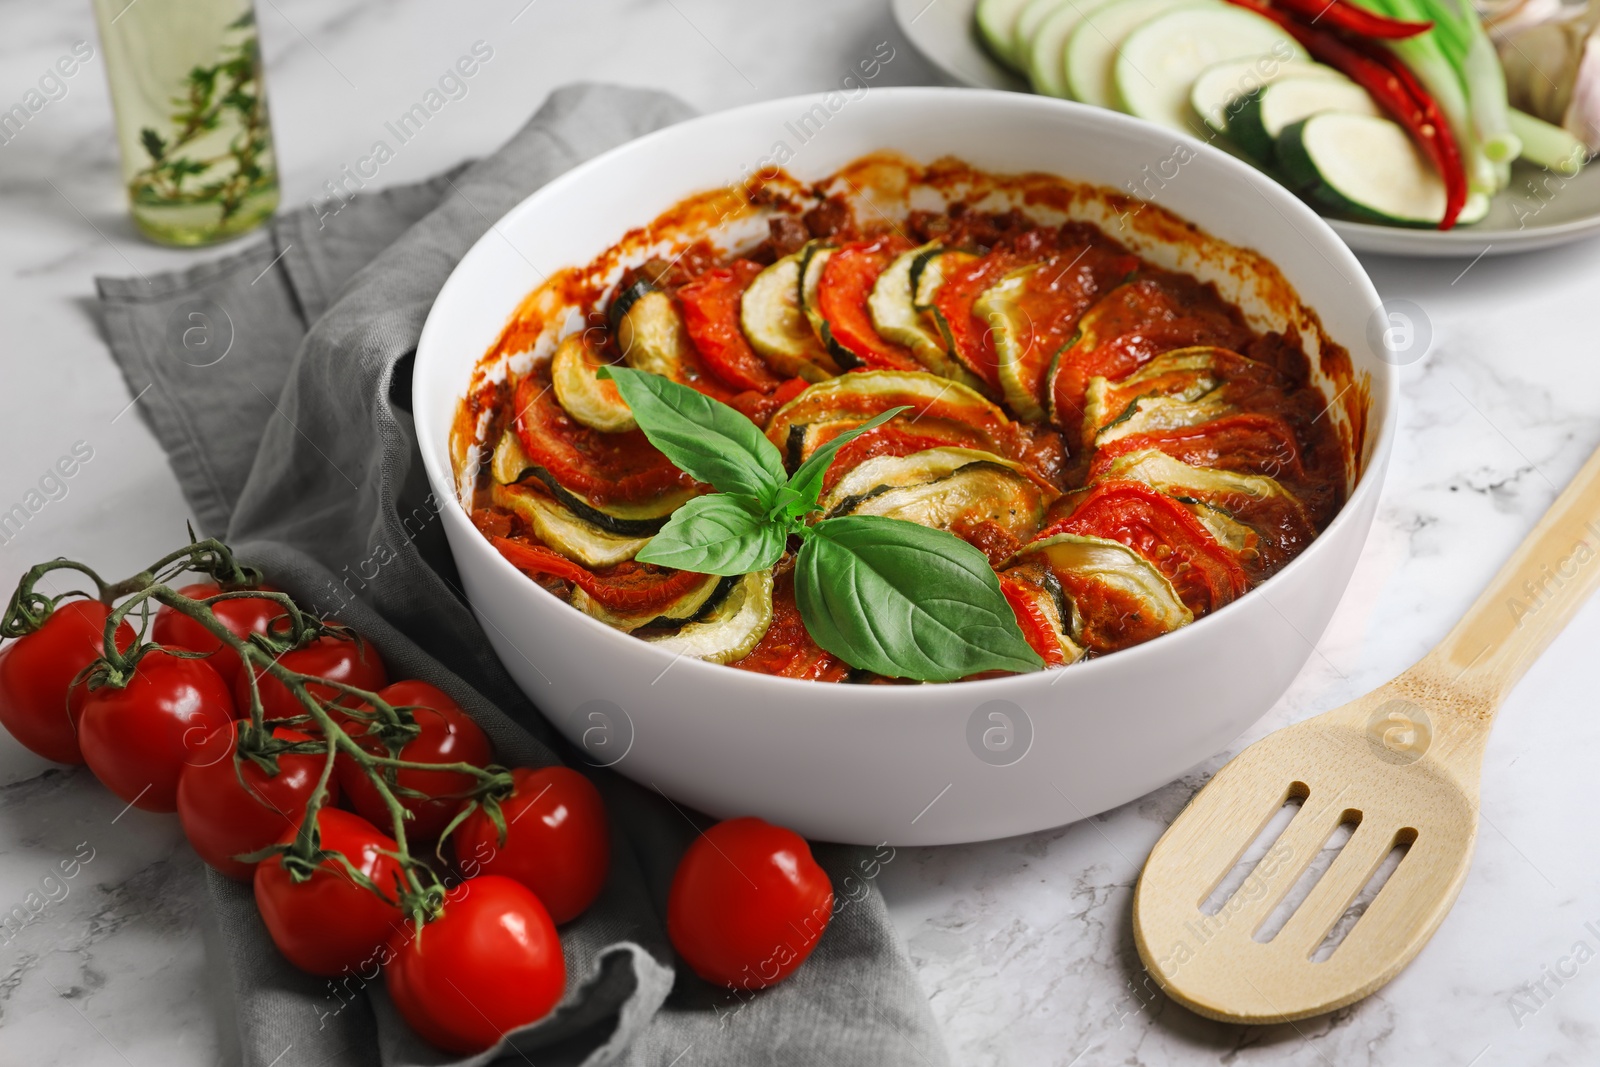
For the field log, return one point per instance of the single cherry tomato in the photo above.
(38, 703)
(448, 736)
(349, 660)
(137, 739)
(557, 842)
(747, 904)
(491, 962)
(241, 615)
(330, 924)
(224, 818)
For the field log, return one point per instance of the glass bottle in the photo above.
(191, 113)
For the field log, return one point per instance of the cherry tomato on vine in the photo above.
(448, 736)
(38, 704)
(242, 615)
(491, 962)
(137, 739)
(748, 904)
(223, 818)
(557, 843)
(352, 661)
(330, 923)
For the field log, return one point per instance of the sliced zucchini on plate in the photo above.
(643, 518)
(566, 531)
(997, 26)
(1362, 168)
(1046, 55)
(697, 603)
(897, 318)
(1157, 64)
(1091, 51)
(595, 403)
(731, 628)
(1220, 86)
(769, 312)
(978, 491)
(1033, 15)
(999, 306)
(1258, 117)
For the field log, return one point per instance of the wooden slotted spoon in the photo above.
(1403, 762)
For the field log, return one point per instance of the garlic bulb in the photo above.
(1553, 68)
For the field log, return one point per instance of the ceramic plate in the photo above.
(1539, 210)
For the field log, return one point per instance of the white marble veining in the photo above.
(1023, 945)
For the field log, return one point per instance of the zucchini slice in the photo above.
(1157, 64)
(1362, 168)
(564, 530)
(1045, 57)
(977, 491)
(1220, 86)
(999, 306)
(696, 603)
(1173, 476)
(769, 312)
(732, 627)
(1118, 597)
(650, 332)
(1047, 602)
(588, 399)
(1091, 52)
(511, 465)
(1258, 117)
(851, 399)
(997, 24)
(1033, 15)
(882, 473)
(1152, 414)
(813, 258)
(897, 317)
(928, 272)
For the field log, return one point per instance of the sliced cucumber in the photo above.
(1362, 168)
(1258, 117)
(1157, 64)
(997, 25)
(897, 318)
(1045, 59)
(594, 403)
(564, 530)
(769, 313)
(731, 628)
(1218, 88)
(1091, 50)
(999, 306)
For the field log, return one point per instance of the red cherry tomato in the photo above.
(557, 843)
(747, 904)
(242, 615)
(223, 818)
(489, 964)
(351, 661)
(38, 703)
(137, 739)
(448, 736)
(329, 924)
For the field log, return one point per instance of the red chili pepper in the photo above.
(1343, 15)
(1396, 90)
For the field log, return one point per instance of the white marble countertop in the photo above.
(1023, 945)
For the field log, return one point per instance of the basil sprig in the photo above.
(884, 595)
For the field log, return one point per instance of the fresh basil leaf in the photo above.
(807, 481)
(904, 600)
(716, 534)
(705, 437)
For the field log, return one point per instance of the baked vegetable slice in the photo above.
(1044, 613)
(586, 398)
(564, 530)
(844, 291)
(771, 317)
(649, 329)
(634, 518)
(896, 316)
(731, 628)
(712, 307)
(695, 601)
(951, 489)
(1118, 597)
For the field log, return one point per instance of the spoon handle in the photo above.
(1528, 603)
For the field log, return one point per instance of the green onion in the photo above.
(1547, 145)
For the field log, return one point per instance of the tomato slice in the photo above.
(627, 587)
(1250, 443)
(711, 316)
(1133, 324)
(786, 649)
(971, 340)
(886, 440)
(842, 293)
(1036, 629)
(603, 467)
(1205, 575)
(1055, 297)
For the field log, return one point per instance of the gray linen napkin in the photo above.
(278, 382)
